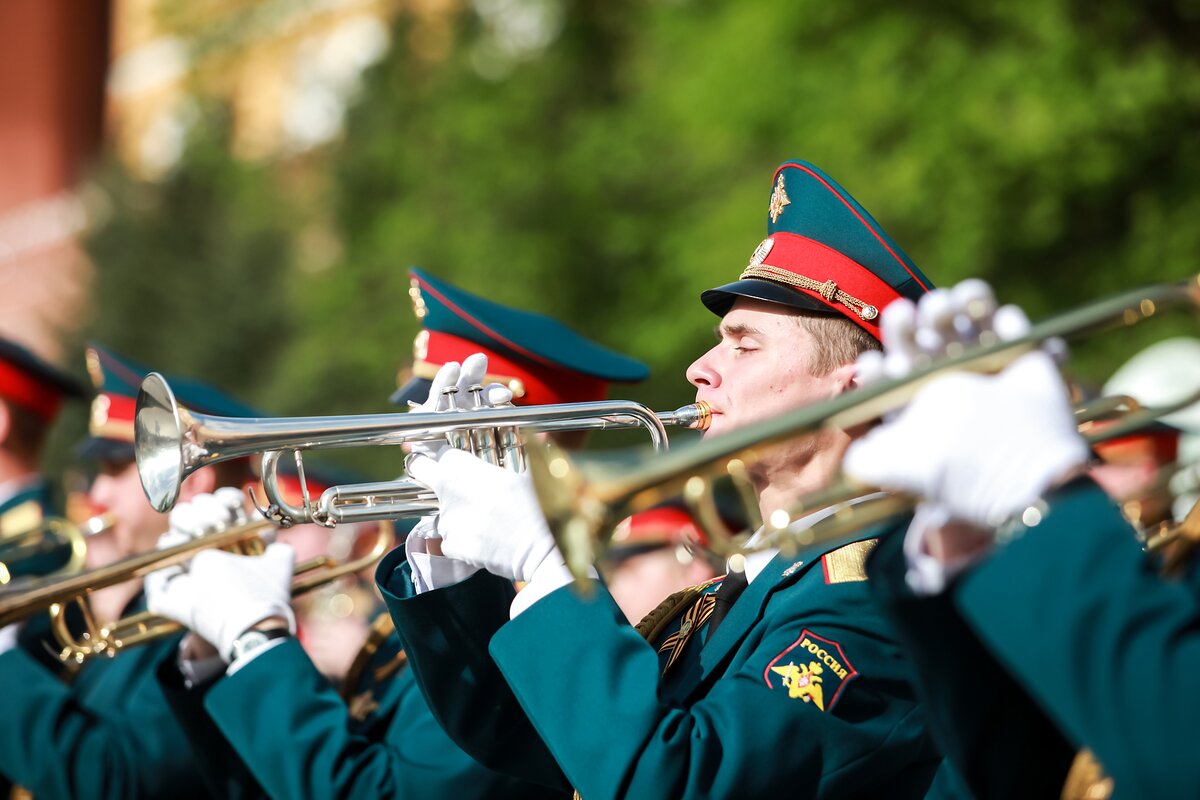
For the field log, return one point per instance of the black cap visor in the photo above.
(96, 448)
(721, 299)
(416, 390)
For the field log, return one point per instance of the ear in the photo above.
(202, 481)
(5, 421)
(843, 379)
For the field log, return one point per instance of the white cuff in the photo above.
(8, 636)
(551, 576)
(238, 663)
(927, 575)
(431, 572)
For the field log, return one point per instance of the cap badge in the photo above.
(100, 407)
(761, 252)
(421, 345)
(779, 199)
(414, 292)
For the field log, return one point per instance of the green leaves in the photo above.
(612, 174)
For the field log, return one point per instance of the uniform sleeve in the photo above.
(446, 633)
(996, 739)
(1106, 646)
(223, 770)
(590, 685)
(56, 745)
(286, 721)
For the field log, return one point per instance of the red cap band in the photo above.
(812, 261)
(112, 417)
(1161, 445)
(664, 525)
(25, 390)
(531, 384)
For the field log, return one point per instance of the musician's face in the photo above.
(761, 367)
(118, 490)
(639, 583)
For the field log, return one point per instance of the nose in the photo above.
(100, 492)
(703, 371)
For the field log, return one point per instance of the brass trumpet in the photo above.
(56, 595)
(579, 509)
(55, 546)
(171, 442)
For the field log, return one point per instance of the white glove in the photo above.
(984, 447)
(489, 516)
(461, 378)
(200, 516)
(219, 595)
(943, 324)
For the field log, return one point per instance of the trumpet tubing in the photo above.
(578, 509)
(18, 605)
(146, 627)
(171, 442)
(57, 595)
(55, 546)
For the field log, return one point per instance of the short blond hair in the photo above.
(837, 341)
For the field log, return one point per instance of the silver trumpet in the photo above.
(171, 442)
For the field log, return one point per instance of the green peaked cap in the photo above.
(824, 253)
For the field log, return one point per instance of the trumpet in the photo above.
(55, 546)
(171, 442)
(578, 509)
(56, 595)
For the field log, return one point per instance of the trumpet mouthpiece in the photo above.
(696, 416)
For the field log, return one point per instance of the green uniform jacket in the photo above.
(1105, 645)
(736, 716)
(283, 720)
(25, 508)
(109, 734)
(996, 740)
(17, 513)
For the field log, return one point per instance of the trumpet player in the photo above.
(377, 737)
(780, 677)
(31, 394)
(109, 732)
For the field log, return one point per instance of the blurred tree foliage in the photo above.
(613, 168)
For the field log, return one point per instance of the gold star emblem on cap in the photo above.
(779, 199)
(414, 293)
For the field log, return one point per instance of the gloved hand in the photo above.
(200, 516)
(943, 324)
(489, 517)
(220, 595)
(982, 447)
(461, 378)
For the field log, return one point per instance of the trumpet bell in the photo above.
(159, 440)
